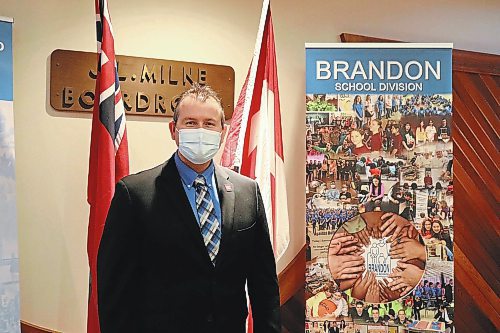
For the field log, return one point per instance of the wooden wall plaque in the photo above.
(149, 86)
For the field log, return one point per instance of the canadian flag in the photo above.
(254, 144)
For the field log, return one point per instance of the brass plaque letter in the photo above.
(186, 76)
(126, 101)
(68, 99)
(202, 76)
(142, 102)
(160, 103)
(170, 80)
(120, 77)
(147, 75)
(93, 74)
(86, 100)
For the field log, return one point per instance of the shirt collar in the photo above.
(188, 175)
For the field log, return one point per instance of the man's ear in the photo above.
(171, 127)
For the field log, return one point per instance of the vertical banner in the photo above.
(379, 188)
(9, 256)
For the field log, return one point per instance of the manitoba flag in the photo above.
(254, 143)
(108, 161)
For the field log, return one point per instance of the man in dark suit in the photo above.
(448, 291)
(359, 313)
(334, 328)
(375, 318)
(182, 239)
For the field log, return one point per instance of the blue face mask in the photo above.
(198, 145)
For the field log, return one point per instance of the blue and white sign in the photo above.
(9, 255)
(379, 183)
(368, 68)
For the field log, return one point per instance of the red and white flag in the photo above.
(108, 161)
(254, 143)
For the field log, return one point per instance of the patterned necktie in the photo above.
(209, 225)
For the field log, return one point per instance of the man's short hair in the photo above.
(200, 93)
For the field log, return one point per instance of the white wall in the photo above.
(52, 148)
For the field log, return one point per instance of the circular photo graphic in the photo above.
(378, 257)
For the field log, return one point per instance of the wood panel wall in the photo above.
(476, 104)
(476, 125)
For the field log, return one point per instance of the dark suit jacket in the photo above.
(154, 272)
(355, 317)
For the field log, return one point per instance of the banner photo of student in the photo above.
(379, 188)
(9, 256)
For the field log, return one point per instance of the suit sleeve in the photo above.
(262, 281)
(117, 267)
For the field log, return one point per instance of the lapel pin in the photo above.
(228, 187)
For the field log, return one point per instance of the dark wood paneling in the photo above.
(476, 124)
(292, 278)
(463, 61)
(30, 328)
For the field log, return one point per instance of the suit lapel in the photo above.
(225, 190)
(172, 185)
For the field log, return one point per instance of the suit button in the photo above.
(210, 318)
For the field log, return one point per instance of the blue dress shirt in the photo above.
(188, 176)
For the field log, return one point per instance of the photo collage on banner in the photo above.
(9, 256)
(379, 188)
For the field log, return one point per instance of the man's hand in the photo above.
(373, 293)
(375, 232)
(407, 249)
(406, 277)
(361, 286)
(343, 243)
(342, 262)
(386, 294)
(345, 267)
(411, 231)
(393, 223)
(363, 237)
